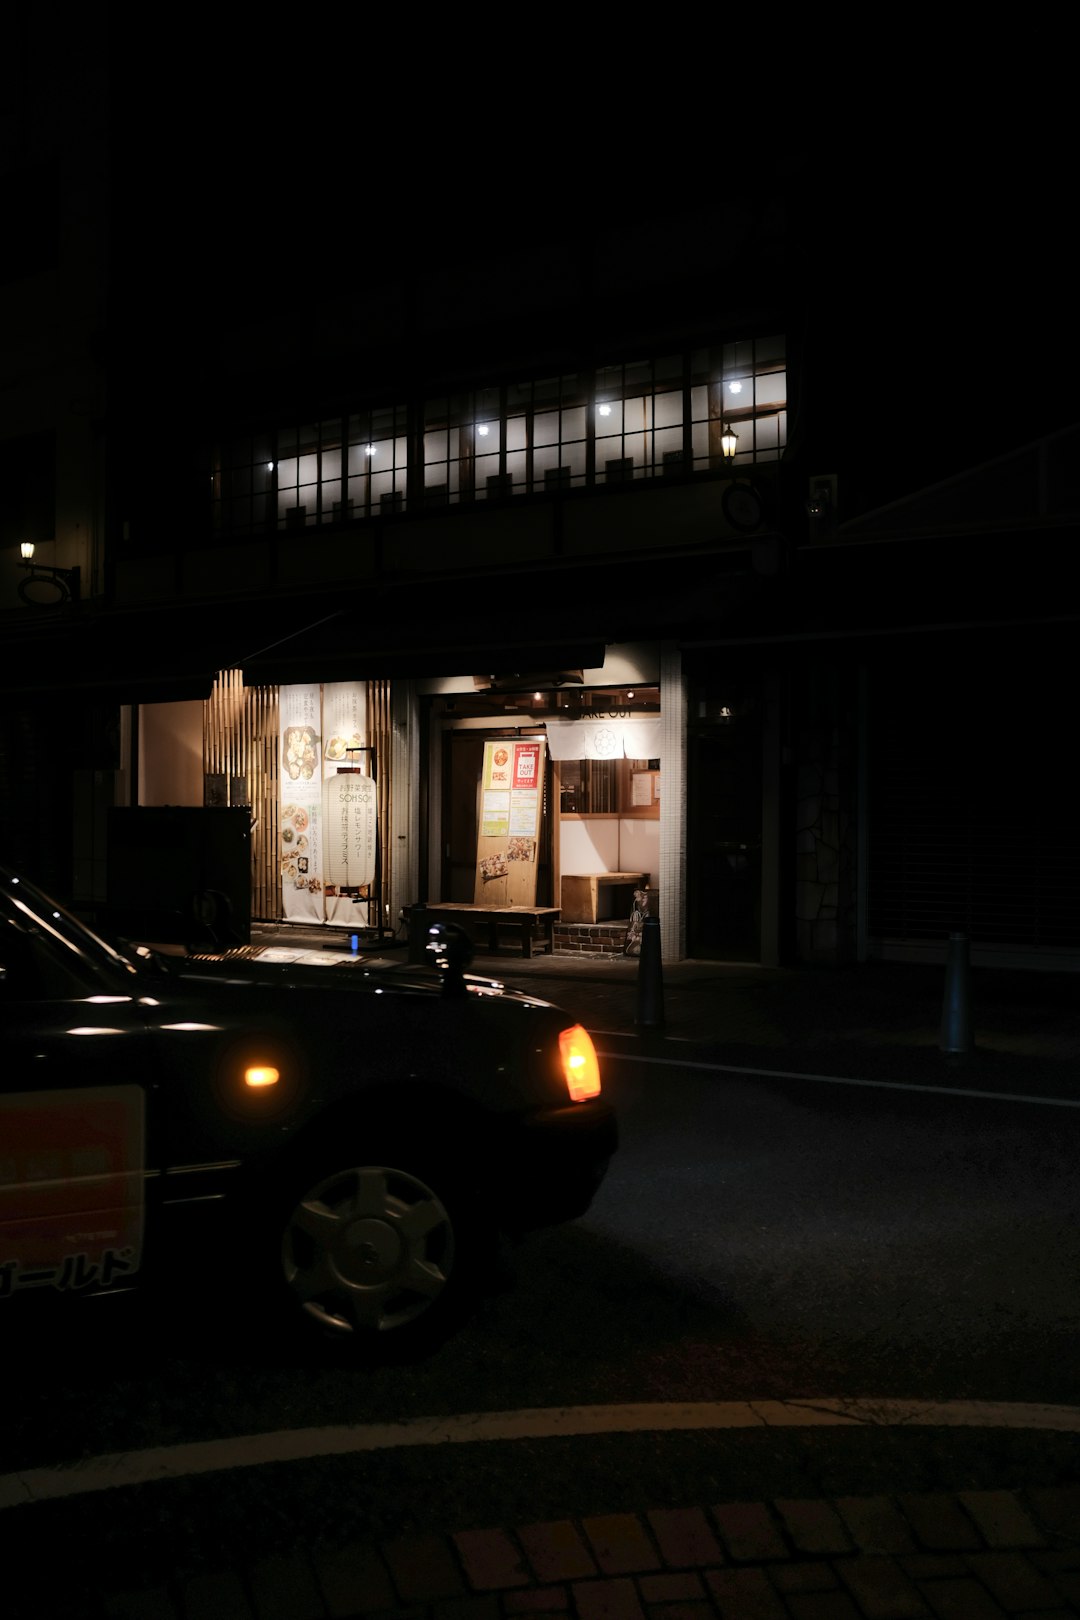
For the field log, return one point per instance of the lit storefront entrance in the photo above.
(597, 835)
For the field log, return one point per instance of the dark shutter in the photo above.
(972, 816)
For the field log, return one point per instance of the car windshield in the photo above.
(29, 907)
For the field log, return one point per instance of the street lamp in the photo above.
(63, 582)
(729, 443)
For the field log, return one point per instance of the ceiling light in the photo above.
(734, 387)
(605, 410)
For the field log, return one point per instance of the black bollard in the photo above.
(650, 987)
(956, 1034)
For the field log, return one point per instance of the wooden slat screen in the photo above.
(240, 739)
(380, 730)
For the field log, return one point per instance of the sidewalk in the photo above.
(973, 1555)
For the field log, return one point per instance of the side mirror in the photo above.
(449, 948)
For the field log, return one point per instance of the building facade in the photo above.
(550, 485)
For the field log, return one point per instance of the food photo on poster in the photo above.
(329, 806)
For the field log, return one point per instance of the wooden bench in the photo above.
(581, 892)
(531, 922)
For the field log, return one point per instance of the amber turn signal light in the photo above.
(581, 1070)
(261, 1074)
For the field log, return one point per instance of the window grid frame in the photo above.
(703, 416)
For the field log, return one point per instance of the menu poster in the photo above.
(328, 819)
(301, 803)
(495, 794)
(498, 766)
(495, 814)
(508, 839)
(525, 801)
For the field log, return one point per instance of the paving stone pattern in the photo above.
(973, 1555)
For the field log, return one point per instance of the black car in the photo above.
(358, 1135)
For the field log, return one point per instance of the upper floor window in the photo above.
(643, 419)
(743, 386)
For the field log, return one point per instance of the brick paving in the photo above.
(972, 1555)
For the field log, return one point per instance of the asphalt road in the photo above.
(755, 1238)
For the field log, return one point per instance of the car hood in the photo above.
(285, 967)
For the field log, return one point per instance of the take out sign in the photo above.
(526, 764)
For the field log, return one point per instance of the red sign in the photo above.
(71, 1187)
(526, 765)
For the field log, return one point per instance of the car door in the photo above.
(73, 1120)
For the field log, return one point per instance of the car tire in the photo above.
(386, 1255)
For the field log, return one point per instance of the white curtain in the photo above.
(604, 739)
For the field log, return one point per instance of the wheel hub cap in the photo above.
(369, 1252)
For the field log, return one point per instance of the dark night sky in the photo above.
(960, 294)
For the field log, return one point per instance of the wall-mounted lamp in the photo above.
(61, 584)
(729, 442)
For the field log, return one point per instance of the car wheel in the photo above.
(378, 1253)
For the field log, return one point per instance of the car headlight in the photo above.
(581, 1071)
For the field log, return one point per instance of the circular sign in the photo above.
(742, 507)
(38, 590)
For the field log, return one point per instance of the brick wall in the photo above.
(589, 939)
